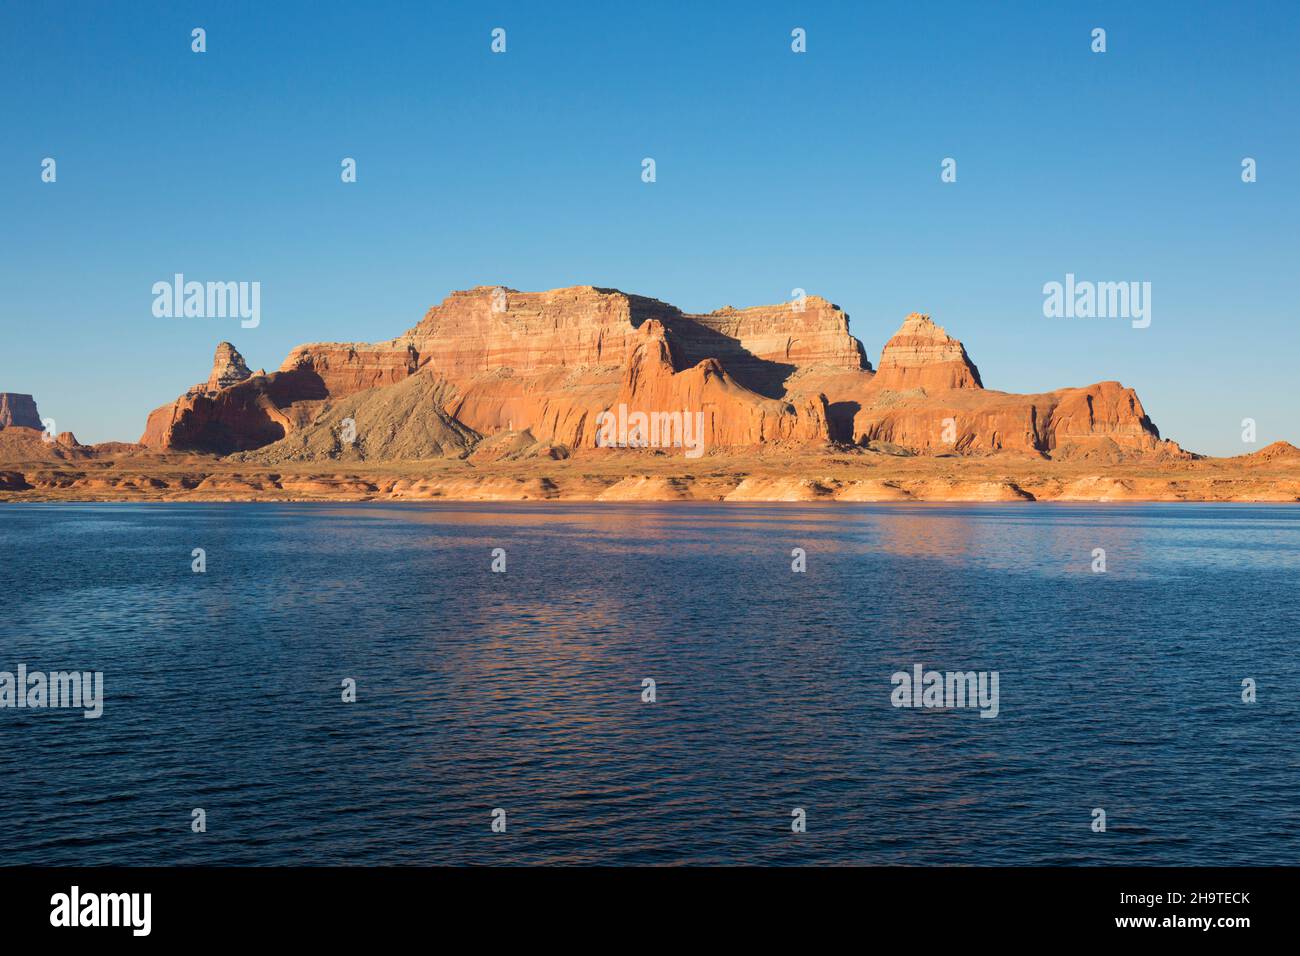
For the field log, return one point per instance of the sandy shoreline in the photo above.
(831, 476)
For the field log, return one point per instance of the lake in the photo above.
(522, 691)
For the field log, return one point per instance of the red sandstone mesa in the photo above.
(548, 363)
(497, 395)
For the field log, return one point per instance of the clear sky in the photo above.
(775, 170)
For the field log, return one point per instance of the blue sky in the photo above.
(775, 170)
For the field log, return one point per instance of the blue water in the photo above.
(522, 690)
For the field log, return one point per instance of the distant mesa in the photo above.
(23, 436)
(491, 360)
(19, 411)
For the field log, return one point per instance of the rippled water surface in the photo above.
(522, 690)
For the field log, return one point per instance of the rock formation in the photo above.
(762, 346)
(347, 368)
(256, 410)
(20, 443)
(228, 368)
(733, 415)
(19, 411)
(492, 360)
(922, 355)
(1104, 419)
(243, 416)
(551, 362)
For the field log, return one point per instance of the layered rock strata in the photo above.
(548, 364)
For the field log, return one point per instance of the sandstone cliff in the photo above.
(494, 360)
(763, 346)
(550, 362)
(1103, 419)
(246, 415)
(733, 415)
(347, 368)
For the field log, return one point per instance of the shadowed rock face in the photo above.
(733, 415)
(762, 347)
(255, 410)
(344, 369)
(19, 411)
(241, 417)
(548, 363)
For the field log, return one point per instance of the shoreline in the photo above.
(1086, 489)
(765, 476)
(828, 502)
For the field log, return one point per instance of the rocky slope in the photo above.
(405, 422)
